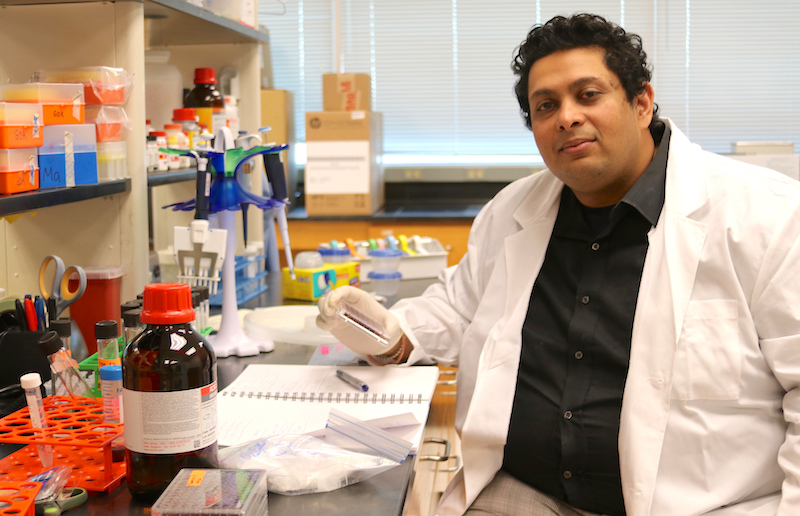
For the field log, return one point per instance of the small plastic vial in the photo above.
(32, 383)
(64, 329)
(131, 325)
(107, 344)
(67, 379)
(111, 389)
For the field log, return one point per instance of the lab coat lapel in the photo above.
(526, 248)
(674, 250)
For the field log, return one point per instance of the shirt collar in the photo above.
(647, 194)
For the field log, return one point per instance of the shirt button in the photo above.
(579, 355)
(595, 246)
(568, 414)
(568, 474)
(585, 300)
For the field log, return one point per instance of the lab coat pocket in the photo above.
(708, 357)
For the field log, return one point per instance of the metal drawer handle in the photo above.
(456, 467)
(437, 458)
(446, 382)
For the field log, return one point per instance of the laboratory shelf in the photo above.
(29, 201)
(167, 178)
(177, 22)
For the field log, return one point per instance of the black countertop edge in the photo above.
(466, 212)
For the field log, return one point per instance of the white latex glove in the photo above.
(351, 335)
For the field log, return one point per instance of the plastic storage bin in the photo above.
(112, 161)
(111, 122)
(19, 170)
(61, 103)
(61, 142)
(101, 84)
(20, 125)
(100, 302)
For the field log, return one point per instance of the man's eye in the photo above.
(544, 106)
(590, 94)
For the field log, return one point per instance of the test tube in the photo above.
(107, 334)
(67, 379)
(64, 329)
(31, 383)
(111, 389)
(364, 323)
(132, 326)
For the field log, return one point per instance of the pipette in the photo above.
(277, 180)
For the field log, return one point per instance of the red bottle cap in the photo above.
(167, 303)
(205, 76)
(183, 114)
(158, 133)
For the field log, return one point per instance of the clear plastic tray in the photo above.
(207, 492)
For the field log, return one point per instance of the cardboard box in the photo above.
(344, 171)
(346, 92)
(312, 284)
(277, 112)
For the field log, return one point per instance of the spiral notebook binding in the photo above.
(330, 397)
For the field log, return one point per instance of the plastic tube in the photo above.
(31, 383)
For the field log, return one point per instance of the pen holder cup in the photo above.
(21, 354)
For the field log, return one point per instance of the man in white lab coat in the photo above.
(626, 323)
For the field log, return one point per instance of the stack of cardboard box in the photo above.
(344, 171)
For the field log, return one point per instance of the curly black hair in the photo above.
(624, 53)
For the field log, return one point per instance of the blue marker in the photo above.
(352, 380)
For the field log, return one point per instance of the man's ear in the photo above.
(643, 104)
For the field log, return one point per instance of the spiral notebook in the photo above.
(275, 399)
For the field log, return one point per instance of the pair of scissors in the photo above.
(59, 292)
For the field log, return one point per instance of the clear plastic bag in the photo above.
(346, 452)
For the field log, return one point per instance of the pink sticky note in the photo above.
(324, 350)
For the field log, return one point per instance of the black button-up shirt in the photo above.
(562, 439)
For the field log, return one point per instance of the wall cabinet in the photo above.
(109, 227)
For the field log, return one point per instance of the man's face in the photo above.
(587, 132)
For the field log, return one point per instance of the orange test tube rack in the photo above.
(80, 438)
(18, 498)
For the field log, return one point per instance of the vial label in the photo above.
(170, 422)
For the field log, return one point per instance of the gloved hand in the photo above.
(350, 334)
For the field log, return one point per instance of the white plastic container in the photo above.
(385, 260)
(163, 88)
(385, 283)
(335, 255)
(112, 161)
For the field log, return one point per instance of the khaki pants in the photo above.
(507, 496)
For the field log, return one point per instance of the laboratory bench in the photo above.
(384, 494)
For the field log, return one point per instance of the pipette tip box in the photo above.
(209, 492)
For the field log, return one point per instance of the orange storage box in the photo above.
(62, 103)
(19, 170)
(101, 84)
(20, 125)
(111, 122)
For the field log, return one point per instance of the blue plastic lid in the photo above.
(111, 372)
(386, 253)
(333, 252)
(384, 275)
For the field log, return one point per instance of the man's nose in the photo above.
(569, 115)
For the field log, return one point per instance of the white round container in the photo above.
(385, 283)
(335, 255)
(385, 260)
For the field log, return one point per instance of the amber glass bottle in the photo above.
(169, 389)
(207, 101)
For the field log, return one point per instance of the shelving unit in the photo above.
(107, 224)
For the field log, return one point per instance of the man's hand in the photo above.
(349, 334)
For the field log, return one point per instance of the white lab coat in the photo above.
(711, 405)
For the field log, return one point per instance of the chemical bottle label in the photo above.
(213, 118)
(170, 422)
